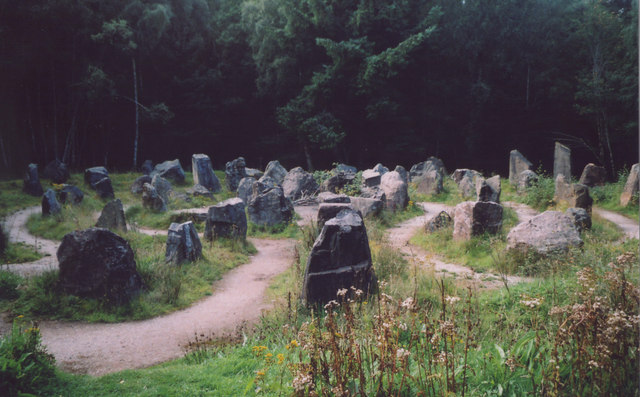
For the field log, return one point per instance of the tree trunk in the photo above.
(55, 114)
(135, 99)
(307, 156)
(528, 85)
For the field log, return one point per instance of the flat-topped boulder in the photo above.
(226, 219)
(171, 170)
(517, 164)
(269, 207)
(593, 175)
(328, 197)
(575, 194)
(549, 232)
(50, 204)
(253, 173)
(31, 183)
(97, 263)
(630, 192)
(488, 189)
(234, 171)
(198, 191)
(298, 183)
(327, 211)
(475, 218)
(203, 173)
(70, 194)
(395, 190)
(337, 182)
(136, 186)
(95, 174)
(151, 199)
(104, 188)
(183, 244)
(431, 164)
(430, 182)
(371, 178)
(57, 171)
(112, 216)
(367, 206)
(340, 258)
(276, 171)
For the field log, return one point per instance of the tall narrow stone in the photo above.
(562, 161)
(631, 187)
(517, 164)
(203, 173)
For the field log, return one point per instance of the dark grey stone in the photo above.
(112, 216)
(430, 182)
(575, 194)
(592, 175)
(163, 187)
(475, 218)
(234, 172)
(170, 169)
(526, 179)
(245, 189)
(199, 191)
(371, 178)
(403, 173)
(298, 183)
(488, 189)
(50, 204)
(31, 183)
(367, 206)
(328, 197)
(203, 173)
(461, 173)
(381, 169)
(57, 171)
(136, 186)
(103, 188)
(337, 182)
(275, 171)
(97, 263)
(253, 173)
(581, 218)
(440, 221)
(269, 207)
(151, 199)
(183, 244)
(226, 219)
(431, 164)
(327, 211)
(147, 167)
(95, 174)
(347, 169)
(373, 192)
(71, 194)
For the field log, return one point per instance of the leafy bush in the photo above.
(540, 195)
(8, 285)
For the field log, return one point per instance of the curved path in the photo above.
(628, 226)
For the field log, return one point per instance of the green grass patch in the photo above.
(449, 195)
(279, 231)
(19, 253)
(608, 197)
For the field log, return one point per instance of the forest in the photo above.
(314, 82)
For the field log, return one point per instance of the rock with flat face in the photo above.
(151, 199)
(112, 216)
(171, 170)
(269, 207)
(488, 189)
(95, 174)
(340, 258)
(593, 175)
(50, 204)
(31, 183)
(431, 164)
(517, 164)
(57, 171)
(103, 188)
(396, 191)
(226, 219)
(71, 194)
(328, 211)
(467, 187)
(183, 243)
(337, 182)
(275, 171)
(462, 173)
(575, 194)
(97, 263)
(438, 222)
(136, 186)
(371, 178)
(298, 183)
(367, 206)
(374, 193)
(380, 169)
(328, 197)
(163, 187)
(245, 188)
(147, 167)
(562, 161)
(475, 218)
(254, 173)
(430, 183)
(3, 241)
(630, 192)
(203, 173)
(526, 179)
(199, 191)
(551, 231)
(581, 218)
(234, 172)
(403, 173)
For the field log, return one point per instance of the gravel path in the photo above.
(628, 225)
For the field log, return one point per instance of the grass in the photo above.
(279, 231)
(608, 197)
(12, 198)
(19, 253)
(449, 194)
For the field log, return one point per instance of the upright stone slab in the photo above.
(97, 263)
(367, 206)
(275, 171)
(340, 258)
(57, 171)
(70, 194)
(526, 179)
(467, 187)
(226, 219)
(147, 167)
(234, 172)
(475, 218)
(575, 194)
(31, 183)
(488, 189)
(163, 187)
(396, 191)
(50, 204)
(327, 211)
(3, 241)
(136, 186)
(112, 216)
(170, 169)
(370, 178)
(581, 218)
(151, 199)
(517, 164)
(104, 188)
(593, 175)
(298, 183)
(549, 232)
(244, 190)
(269, 207)
(431, 164)
(203, 173)
(562, 161)
(95, 174)
(183, 243)
(430, 182)
(630, 192)
(403, 173)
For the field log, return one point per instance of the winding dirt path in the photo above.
(628, 226)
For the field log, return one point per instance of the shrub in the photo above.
(540, 195)
(8, 285)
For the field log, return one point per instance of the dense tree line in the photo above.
(313, 82)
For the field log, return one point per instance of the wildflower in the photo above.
(408, 303)
(402, 326)
(294, 343)
(402, 353)
(451, 299)
(531, 302)
(301, 381)
(20, 316)
(280, 358)
(331, 305)
(342, 292)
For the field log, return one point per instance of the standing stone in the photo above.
(199, 191)
(575, 194)
(517, 164)
(299, 183)
(396, 191)
(31, 184)
(226, 219)
(551, 231)
(136, 186)
(103, 188)
(151, 199)
(50, 204)
(328, 211)
(71, 194)
(431, 164)
(253, 173)
(403, 173)
(381, 169)
(340, 258)
(467, 187)
(562, 161)
(147, 167)
(371, 178)
(461, 173)
(183, 243)
(112, 216)
(163, 187)
(488, 189)
(630, 192)
(234, 172)
(275, 171)
(170, 169)
(3, 241)
(592, 175)
(95, 174)
(245, 189)
(430, 183)
(526, 179)
(475, 218)
(97, 263)
(57, 171)
(269, 207)
(328, 197)
(374, 193)
(367, 206)
(203, 173)
(581, 218)
(337, 182)
(440, 221)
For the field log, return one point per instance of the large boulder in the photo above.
(367, 206)
(226, 219)
(136, 186)
(183, 243)
(147, 167)
(112, 216)
(581, 218)
(328, 197)
(31, 183)
(198, 191)
(275, 171)
(381, 169)
(562, 161)
(104, 188)
(163, 187)
(593, 175)
(462, 173)
(526, 179)
(151, 199)
(253, 173)
(475, 218)
(467, 187)
(70, 194)
(373, 192)
(234, 172)
(170, 169)
(340, 258)
(430, 182)
(57, 171)
(347, 169)
(245, 188)
(396, 191)
(203, 173)
(488, 189)
(440, 221)
(517, 164)
(50, 204)
(371, 178)
(403, 173)
(327, 211)
(95, 174)
(575, 194)
(269, 207)
(3, 241)
(431, 164)
(298, 183)
(630, 192)
(551, 231)
(337, 182)
(97, 263)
